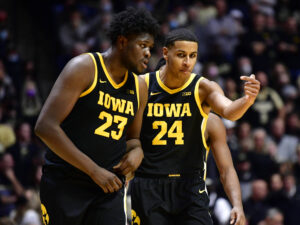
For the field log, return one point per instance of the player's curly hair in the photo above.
(132, 21)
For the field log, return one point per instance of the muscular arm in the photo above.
(131, 161)
(76, 77)
(212, 96)
(217, 139)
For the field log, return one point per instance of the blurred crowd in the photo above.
(236, 37)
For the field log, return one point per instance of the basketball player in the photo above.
(95, 102)
(169, 186)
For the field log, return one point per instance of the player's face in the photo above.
(137, 52)
(181, 57)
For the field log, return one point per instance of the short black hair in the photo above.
(181, 34)
(132, 21)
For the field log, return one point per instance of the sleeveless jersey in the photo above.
(99, 120)
(173, 128)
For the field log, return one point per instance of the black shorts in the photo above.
(68, 199)
(169, 201)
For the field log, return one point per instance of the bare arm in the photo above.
(217, 138)
(76, 77)
(212, 96)
(131, 161)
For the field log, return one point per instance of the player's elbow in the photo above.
(41, 128)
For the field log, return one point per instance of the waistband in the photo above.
(196, 174)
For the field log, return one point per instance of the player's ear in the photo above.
(122, 41)
(165, 53)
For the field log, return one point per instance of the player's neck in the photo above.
(170, 79)
(113, 65)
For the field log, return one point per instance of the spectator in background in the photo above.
(26, 154)
(230, 89)
(31, 102)
(7, 88)
(7, 137)
(267, 105)
(262, 163)
(11, 187)
(244, 172)
(289, 46)
(273, 217)
(296, 166)
(223, 32)
(292, 203)
(276, 195)
(256, 206)
(286, 144)
(293, 124)
(254, 43)
(72, 35)
(244, 136)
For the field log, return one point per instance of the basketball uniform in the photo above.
(97, 125)
(169, 186)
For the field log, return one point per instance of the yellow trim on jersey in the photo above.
(198, 98)
(174, 175)
(204, 121)
(137, 86)
(89, 90)
(111, 81)
(205, 164)
(125, 202)
(147, 77)
(173, 91)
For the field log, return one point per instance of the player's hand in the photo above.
(237, 216)
(108, 181)
(130, 161)
(251, 87)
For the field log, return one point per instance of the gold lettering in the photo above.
(117, 105)
(100, 101)
(158, 110)
(186, 110)
(150, 109)
(129, 108)
(107, 101)
(173, 111)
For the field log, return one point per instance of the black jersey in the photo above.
(100, 118)
(173, 128)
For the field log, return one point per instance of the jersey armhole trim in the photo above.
(197, 98)
(203, 114)
(89, 90)
(147, 77)
(137, 86)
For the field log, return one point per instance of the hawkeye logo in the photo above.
(45, 215)
(135, 219)
(102, 81)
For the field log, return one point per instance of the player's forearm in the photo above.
(56, 139)
(236, 109)
(231, 186)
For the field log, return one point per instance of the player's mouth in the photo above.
(145, 63)
(185, 71)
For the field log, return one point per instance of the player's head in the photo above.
(132, 32)
(180, 51)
